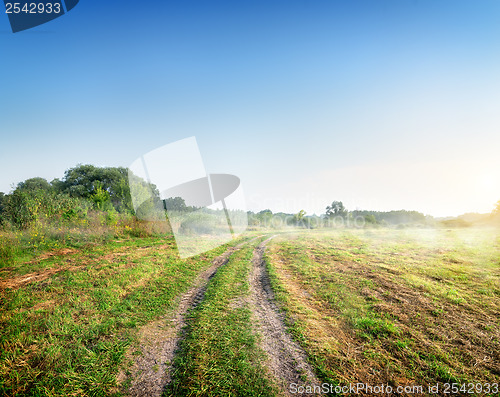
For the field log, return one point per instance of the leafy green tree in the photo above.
(370, 218)
(84, 179)
(264, 217)
(391, 217)
(57, 185)
(336, 209)
(298, 218)
(300, 215)
(33, 184)
(146, 198)
(177, 204)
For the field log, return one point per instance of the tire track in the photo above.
(286, 360)
(159, 340)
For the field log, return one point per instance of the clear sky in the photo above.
(382, 104)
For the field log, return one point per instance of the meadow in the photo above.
(95, 302)
(396, 307)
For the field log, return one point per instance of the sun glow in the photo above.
(488, 182)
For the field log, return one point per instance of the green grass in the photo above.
(67, 334)
(219, 356)
(376, 306)
(54, 233)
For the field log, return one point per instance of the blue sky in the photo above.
(381, 104)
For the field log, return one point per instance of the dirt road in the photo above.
(286, 360)
(159, 340)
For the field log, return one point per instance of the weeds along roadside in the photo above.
(219, 354)
(53, 233)
(67, 335)
(38, 216)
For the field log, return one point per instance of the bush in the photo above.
(22, 209)
(7, 252)
(370, 218)
(101, 198)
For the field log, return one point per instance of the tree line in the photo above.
(86, 187)
(82, 188)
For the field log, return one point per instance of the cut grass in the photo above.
(219, 355)
(393, 306)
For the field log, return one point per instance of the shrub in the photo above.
(199, 223)
(22, 209)
(101, 198)
(7, 252)
(457, 222)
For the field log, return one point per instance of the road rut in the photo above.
(286, 360)
(151, 371)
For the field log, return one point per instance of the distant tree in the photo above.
(370, 218)
(300, 215)
(336, 209)
(496, 211)
(33, 184)
(298, 218)
(84, 179)
(177, 204)
(57, 185)
(392, 217)
(146, 197)
(264, 216)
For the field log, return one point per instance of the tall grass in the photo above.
(42, 221)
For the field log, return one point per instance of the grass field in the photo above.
(397, 307)
(66, 333)
(378, 306)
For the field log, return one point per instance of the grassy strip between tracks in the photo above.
(220, 356)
